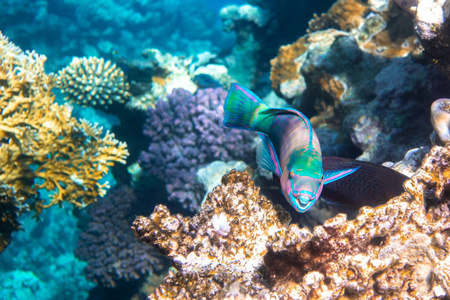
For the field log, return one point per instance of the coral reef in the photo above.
(42, 147)
(432, 26)
(9, 213)
(92, 81)
(356, 77)
(382, 32)
(211, 174)
(109, 247)
(239, 245)
(158, 76)
(186, 133)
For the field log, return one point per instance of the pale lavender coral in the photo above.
(110, 247)
(186, 133)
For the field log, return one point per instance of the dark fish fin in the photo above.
(266, 156)
(371, 185)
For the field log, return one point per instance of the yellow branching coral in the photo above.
(92, 81)
(41, 145)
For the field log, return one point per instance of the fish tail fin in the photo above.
(241, 108)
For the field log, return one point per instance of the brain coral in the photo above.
(239, 245)
(41, 145)
(186, 133)
(108, 245)
(92, 81)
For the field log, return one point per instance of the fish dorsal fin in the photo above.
(266, 156)
(333, 175)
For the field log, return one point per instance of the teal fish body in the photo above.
(290, 148)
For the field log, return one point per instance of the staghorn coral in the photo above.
(186, 133)
(92, 81)
(239, 245)
(108, 245)
(41, 145)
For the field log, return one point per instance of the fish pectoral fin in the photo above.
(333, 175)
(266, 157)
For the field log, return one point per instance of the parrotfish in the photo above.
(290, 148)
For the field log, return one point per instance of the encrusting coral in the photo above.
(239, 245)
(41, 145)
(92, 81)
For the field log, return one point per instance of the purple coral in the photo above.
(186, 133)
(110, 247)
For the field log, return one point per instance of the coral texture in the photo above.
(92, 81)
(42, 146)
(239, 245)
(440, 118)
(156, 77)
(433, 29)
(356, 79)
(381, 32)
(186, 133)
(108, 245)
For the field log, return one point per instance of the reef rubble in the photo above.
(239, 245)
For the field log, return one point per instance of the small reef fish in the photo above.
(204, 81)
(290, 148)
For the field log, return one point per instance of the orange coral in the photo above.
(284, 66)
(41, 145)
(348, 14)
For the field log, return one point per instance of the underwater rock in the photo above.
(357, 74)
(186, 133)
(440, 118)
(109, 247)
(432, 26)
(250, 13)
(170, 72)
(240, 245)
(210, 175)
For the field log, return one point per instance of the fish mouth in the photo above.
(303, 202)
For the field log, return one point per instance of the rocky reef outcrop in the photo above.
(240, 245)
